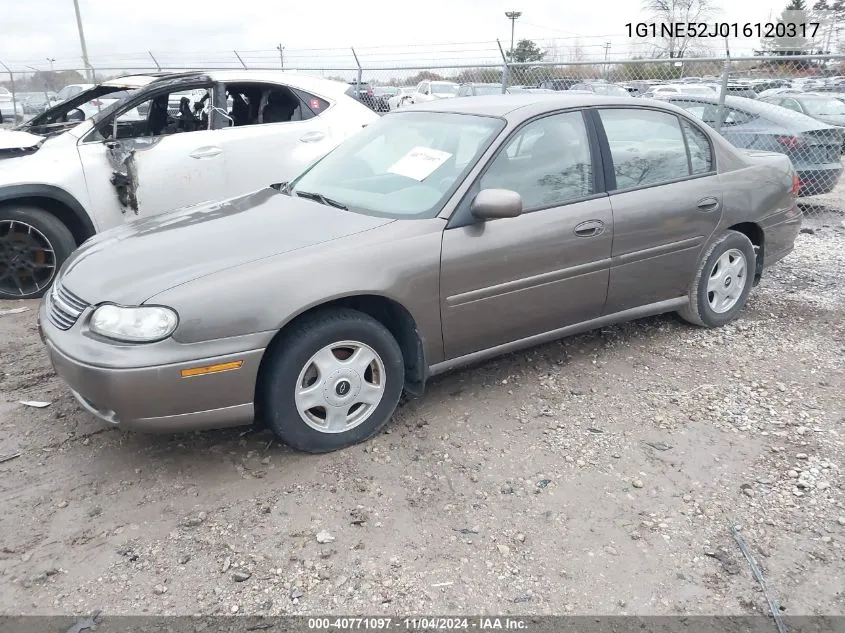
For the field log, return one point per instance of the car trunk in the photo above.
(816, 147)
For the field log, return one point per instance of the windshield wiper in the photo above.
(318, 197)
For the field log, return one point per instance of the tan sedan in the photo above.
(439, 236)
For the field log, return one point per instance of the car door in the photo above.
(153, 163)
(666, 198)
(264, 149)
(507, 279)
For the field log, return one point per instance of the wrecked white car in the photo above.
(167, 142)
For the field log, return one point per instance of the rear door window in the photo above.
(647, 147)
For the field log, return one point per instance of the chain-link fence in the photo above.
(794, 104)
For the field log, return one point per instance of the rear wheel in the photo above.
(723, 282)
(331, 381)
(33, 246)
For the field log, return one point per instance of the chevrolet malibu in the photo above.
(441, 235)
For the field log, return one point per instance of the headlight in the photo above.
(143, 324)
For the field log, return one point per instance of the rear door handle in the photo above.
(206, 152)
(312, 137)
(708, 204)
(590, 228)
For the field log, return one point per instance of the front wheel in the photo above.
(723, 281)
(33, 246)
(332, 380)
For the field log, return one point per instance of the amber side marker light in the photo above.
(211, 369)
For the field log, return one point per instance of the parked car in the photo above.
(608, 90)
(822, 107)
(68, 92)
(659, 91)
(35, 102)
(529, 89)
(403, 97)
(63, 181)
(383, 95)
(771, 92)
(366, 94)
(414, 248)
(637, 88)
(11, 110)
(735, 90)
(560, 83)
(433, 90)
(479, 89)
(813, 147)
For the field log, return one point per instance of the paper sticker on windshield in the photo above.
(419, 163)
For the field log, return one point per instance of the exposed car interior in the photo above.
(259, 103)
(164, 114)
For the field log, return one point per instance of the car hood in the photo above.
(15, 140)
(131, 263)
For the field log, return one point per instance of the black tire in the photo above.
(699, 312)
(290, 353)
(58, 237)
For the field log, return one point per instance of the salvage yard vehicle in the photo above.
(813, 147)
(65, 177)
(439, 236)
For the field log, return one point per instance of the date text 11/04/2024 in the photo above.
(483, 623)
(723, 29)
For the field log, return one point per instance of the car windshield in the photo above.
(488, 89)
(403, 166)
(824, 107)
(438, 88)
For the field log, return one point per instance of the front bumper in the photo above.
(156, 397)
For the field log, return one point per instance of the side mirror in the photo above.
(493, 204)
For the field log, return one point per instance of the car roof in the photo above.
(295, 80)
(522, 105)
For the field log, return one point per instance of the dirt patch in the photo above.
(597, 475)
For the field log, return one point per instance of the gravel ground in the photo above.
(596, 475)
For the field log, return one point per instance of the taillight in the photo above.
(796, 185)
(789, 142)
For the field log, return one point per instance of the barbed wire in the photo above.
(612, 47)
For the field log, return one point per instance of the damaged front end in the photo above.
(14, 143)
(124, 176)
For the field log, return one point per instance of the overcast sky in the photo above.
(186, 31)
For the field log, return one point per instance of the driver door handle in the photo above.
(590, 228)
(206, 152)
(710, 203)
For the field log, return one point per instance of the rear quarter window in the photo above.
(312, 105)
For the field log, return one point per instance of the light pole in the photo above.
(51, 60)
(606, 49)
(82, 41)
(281, 50)
(512, 16)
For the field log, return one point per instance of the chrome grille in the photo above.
(64, 307)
